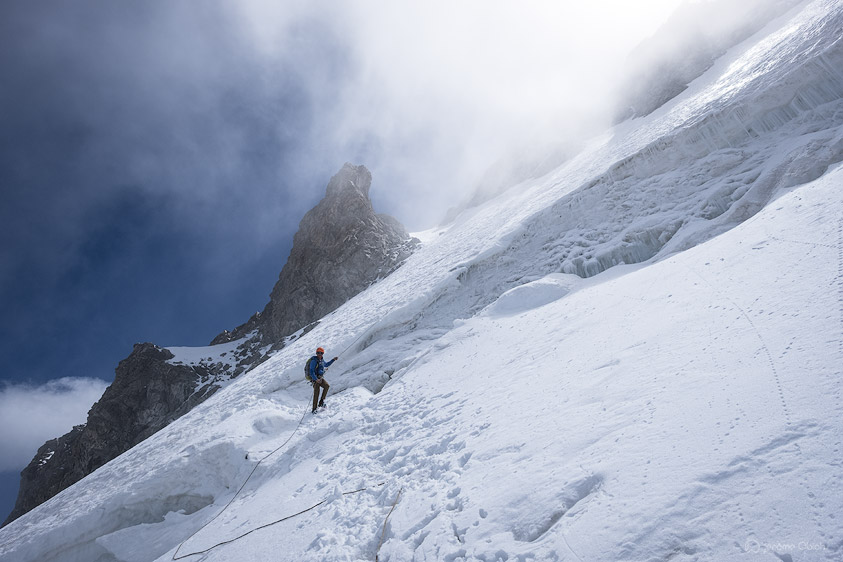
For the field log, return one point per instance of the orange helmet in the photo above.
(320, 350)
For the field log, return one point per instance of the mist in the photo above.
(436, 94)
(695, 35)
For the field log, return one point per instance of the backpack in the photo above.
(307, 370)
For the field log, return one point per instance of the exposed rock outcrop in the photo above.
(341, 248)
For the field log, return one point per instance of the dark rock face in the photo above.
(341, 248)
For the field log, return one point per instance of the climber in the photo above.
(316, 370)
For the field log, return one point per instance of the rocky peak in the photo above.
(350, 178)
(342, 246)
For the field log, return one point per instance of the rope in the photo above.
(237, 538)
(340, 354)
(175, 554)
(383, 533)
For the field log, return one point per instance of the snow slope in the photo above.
(636, 357)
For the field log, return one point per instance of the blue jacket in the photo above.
(317, 368)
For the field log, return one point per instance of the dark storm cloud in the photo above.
(164, 98)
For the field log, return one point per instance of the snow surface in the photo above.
(222, 353)
(636, 357)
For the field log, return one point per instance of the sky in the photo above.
(156, 157)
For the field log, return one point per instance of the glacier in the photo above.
(634, 357)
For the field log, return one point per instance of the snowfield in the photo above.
(636, 357)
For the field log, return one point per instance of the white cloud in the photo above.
(437, 92)
(30, 415)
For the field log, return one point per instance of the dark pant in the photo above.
(325, 386)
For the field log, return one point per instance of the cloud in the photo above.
(169, 99)
(435, 93)
(31, 415)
